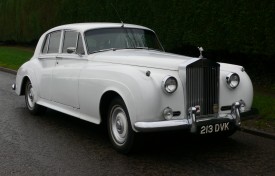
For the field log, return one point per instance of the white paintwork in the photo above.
(142, 58)
(47, 63)
(75, 84)
(65, 79)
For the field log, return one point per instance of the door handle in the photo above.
(58, 57)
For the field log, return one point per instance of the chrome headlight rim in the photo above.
(165, 83)
(231, 78)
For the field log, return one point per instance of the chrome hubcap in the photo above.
(30, 98)
(119, 125)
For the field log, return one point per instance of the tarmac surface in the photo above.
(58, 144)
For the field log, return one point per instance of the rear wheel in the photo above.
(30, 100)
(119, 126)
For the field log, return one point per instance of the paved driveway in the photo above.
(58, 144)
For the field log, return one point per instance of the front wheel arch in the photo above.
(23, 85)
(104, 104)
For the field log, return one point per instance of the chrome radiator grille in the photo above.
(202, 86)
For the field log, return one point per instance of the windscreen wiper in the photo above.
(102, 50)
(147, 48)
(141, 47)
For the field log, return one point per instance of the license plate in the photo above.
(214, 128)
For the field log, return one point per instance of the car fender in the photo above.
(26, 71)
(142, 94)
(244, 91)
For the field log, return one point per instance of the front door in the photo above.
(67, 70)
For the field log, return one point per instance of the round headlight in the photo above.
(169, 84)
(233, 80)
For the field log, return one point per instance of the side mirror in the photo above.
(71, 50)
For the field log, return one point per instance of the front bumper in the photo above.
(191, 123)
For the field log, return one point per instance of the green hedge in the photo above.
(243, 26)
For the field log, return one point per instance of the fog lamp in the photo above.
(168, 113)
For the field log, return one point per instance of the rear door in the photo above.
(67, 69)
(47, 61)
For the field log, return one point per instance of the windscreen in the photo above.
(121, 38)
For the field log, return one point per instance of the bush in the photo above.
(242, 26)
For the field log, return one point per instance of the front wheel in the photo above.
(30, 100)
(119, 126)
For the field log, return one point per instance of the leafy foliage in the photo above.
(242, 26)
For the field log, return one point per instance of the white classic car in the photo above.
(120, 73)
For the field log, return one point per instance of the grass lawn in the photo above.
(264, 100)
(265, 103)
(14, 57)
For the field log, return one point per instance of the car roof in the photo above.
(82, 27)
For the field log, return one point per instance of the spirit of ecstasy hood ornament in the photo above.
(201, 50)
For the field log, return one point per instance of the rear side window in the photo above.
(70, 40)
(51, 43)
(46, 44)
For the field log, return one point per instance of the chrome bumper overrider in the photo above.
(192, 121)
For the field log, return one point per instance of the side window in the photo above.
(54, 42)
(80, 47)
(70, 39)
(46, 44)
